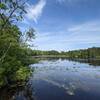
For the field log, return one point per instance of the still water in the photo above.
(59, 79)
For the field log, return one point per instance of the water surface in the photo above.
(61, 79)
(58, 79)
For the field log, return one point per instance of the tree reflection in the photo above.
(17, 93)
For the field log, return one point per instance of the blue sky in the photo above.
(63, 24)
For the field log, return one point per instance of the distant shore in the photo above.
(62, 56)
(50, 56)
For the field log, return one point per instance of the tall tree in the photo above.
(13, 56)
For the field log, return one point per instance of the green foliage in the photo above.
(22, 74)
(90, 53)
(2, 6)
(14, 55)
(2, 81)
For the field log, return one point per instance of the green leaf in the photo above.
(2, 6)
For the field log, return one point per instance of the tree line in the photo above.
(90, 53)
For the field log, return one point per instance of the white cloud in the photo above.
(61, 1)
(86, 27)
(88, 32)
(70, 2)
(35, 11)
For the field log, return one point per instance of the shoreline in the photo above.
(63, 56)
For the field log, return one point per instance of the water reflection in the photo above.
(73, 79)
(59, 79)
(17, 93)
(94, 62)
(88, 61)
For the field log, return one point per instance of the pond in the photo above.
(59, 79)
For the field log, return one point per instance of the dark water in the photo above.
(59, 79)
